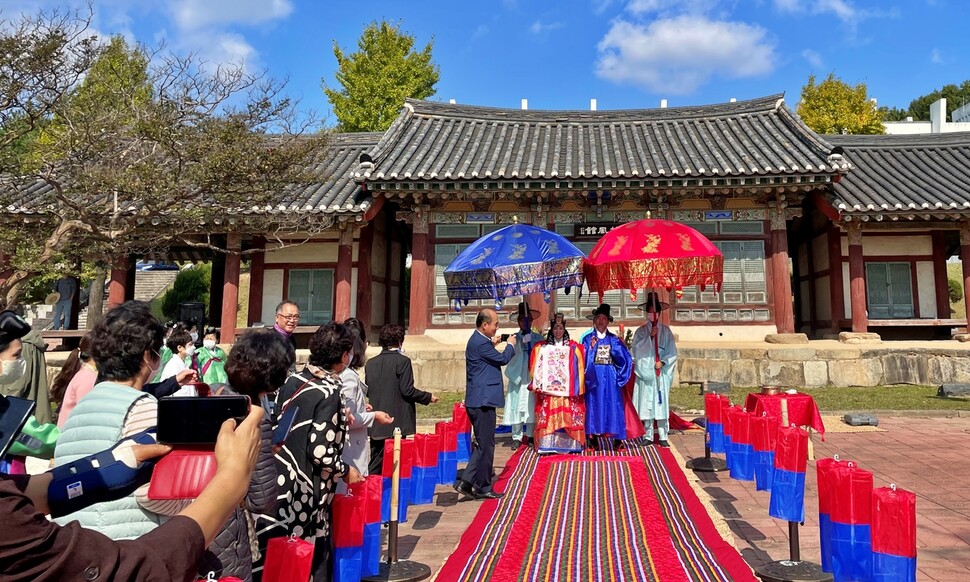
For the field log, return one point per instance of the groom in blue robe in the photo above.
(608, 368)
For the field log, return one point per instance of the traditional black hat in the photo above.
(653, 300)
(603, 309)
(12, 327)
(533, 313)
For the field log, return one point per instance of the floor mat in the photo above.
(625, 515)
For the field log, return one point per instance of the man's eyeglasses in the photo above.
(289, 317)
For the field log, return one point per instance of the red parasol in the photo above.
(652, 253)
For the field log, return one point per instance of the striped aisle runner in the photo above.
(613, 516)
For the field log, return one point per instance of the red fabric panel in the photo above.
(348, 520)
(370, 490)
(448, 433)
(427, 447)
(741, 428)
(460, 417)
(407, 458)
(791, 449)
(851, 495)
(825, 477)
(288, 560)
(894, 522)
(802, 410)
(713, 406)
(764, 433)
(726, 418)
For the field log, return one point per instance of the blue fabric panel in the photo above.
(851, 552)
(727, 451)
(889, 568)
(787, 496)
(742, 462)
(404, 494)
(423, 480)
(347, 564)
(825, 541)
(715, 434)
(447, 467)
(371, 560)
(464, 447)
(764, 469)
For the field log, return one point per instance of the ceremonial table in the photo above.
(802, 411)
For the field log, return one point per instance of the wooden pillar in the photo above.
(230, 287)
(117, 287)
(420, 273)
(836, 291)
(364, 282)
(217, 283)
(781, 281)
(345, 267)
(965, 259)
(257, 265)
(940, 280)
(857, 280)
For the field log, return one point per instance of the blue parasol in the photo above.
(516, 260)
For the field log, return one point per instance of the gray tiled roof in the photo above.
(904, 173)
(432, 141)
(335, 190)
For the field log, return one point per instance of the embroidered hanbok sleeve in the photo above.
(577, 369)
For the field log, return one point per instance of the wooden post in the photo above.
(781, 280)
(836, 291)
(940, 280)
(117, 287)
(230, 287)
(345, 266)
(965, 259)
(857, 280)
(420, 272)
(257, 264)
(364, 282)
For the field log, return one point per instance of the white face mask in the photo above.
(209, 344)
(190, 350)
(13, 370)
(194, 336)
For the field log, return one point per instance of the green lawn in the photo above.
(862, 399)
(442, 408)
(955, 271)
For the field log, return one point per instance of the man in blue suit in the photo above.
(483, 394)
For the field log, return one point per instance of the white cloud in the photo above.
(678, 55)
(539, 27)
(814, 59)
(480, 31)
(193, 14)
(936, 57)
(600, 6)
(844, 10)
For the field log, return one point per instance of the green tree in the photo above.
(833, 106)
(149, 151)
(377, 78)
(893, 114)
(956, 97)
(191, 284)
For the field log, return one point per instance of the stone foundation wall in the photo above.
(795, 366)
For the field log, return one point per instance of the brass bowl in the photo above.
(770, 390)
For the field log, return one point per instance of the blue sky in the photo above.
(560, 53)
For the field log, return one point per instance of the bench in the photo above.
(67, 338)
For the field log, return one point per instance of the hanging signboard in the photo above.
(593, 229)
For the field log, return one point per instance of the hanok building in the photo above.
(869, 221)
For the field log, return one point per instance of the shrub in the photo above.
(191, 284)
(955, 290)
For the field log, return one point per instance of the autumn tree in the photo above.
(150, 151)
(377, 78)
(833, 106)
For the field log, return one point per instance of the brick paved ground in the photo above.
(927, 456)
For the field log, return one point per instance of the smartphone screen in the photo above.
(196, 421)
(284, 425)
(504, 337)
(14, 413)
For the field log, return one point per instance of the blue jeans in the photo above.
(62, 309)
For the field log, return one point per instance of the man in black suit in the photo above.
(390, 382)
(483, 394)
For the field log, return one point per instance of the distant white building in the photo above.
(937, 123)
